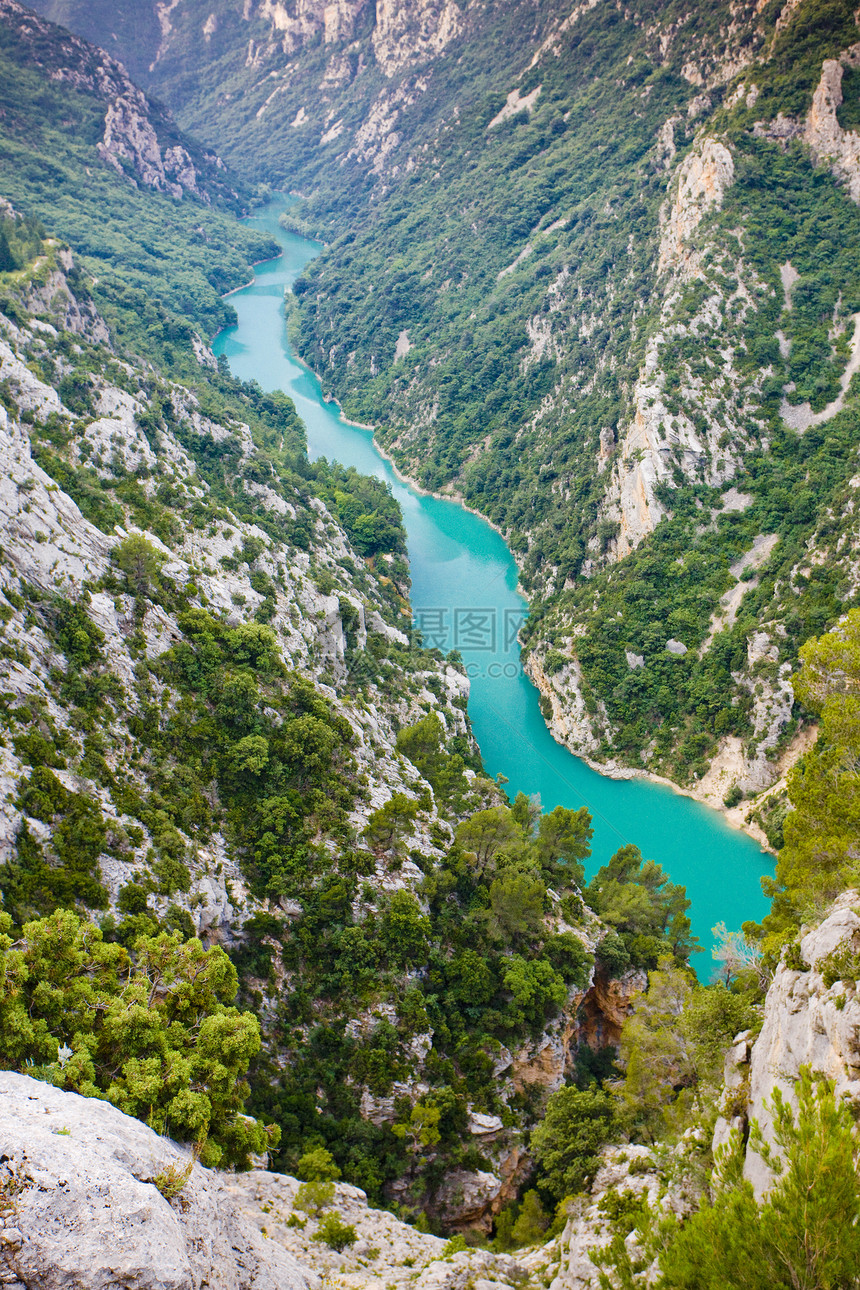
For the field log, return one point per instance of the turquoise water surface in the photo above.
(464, 596)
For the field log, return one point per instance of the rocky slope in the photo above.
(86, 647)
(51, 551)
(83, 1205)
(91, 1197)
(811, 1018)
(139, 140)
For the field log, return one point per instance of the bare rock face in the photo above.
(296, 24)
(827, 141)
(130, 140)
(86, 1213)
(607, 1006)
(703, 179)
(139, 140)
(387, 1254)
(806, 1023)
(416, 29)
(588, 1227)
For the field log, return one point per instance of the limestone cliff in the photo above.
(139, 139)
(811, 1018)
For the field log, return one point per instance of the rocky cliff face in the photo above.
(811, 1018)
(82, 1206)
(139, 140)
(85, 1201)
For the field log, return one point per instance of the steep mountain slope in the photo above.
(148, 211)
(215, 723)
(202, 687)
(590, 269)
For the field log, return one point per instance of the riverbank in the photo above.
(726, 769)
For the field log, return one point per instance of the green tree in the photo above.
(333, 1231)
(390, 822)
(313, 1196)
(141, 563)
(153, 1032)
(488, 834)
(317, 1165)
(516, 905)
(531, 1222)
(805, 1233)
(537, 989)
(648, 911)
(567, 1142)
(405, 929)
(654, 1054)
(422, 1128)
(708, 1024)
(562, 843)
(64, 869)
(819, 858)
(7, 259)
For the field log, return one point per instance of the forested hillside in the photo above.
(592, 269)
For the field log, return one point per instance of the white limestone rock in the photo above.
(827, 141)
(703, 179)
(806, 1023)
(90, 1215)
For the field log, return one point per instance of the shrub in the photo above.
(318, 1166)
(313, 1196)
(334, 1232)
(566, 1143)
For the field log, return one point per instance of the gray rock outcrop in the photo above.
(806, 1023)
(83, 1210)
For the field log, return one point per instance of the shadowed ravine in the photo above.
(464, 597)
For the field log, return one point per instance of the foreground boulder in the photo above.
(81, 1209)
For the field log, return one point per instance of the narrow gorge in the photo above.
(429, 645)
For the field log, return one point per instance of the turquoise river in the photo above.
(464, 592)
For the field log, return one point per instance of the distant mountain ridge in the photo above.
(139, 140)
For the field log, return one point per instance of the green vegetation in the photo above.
(578, 1122)
(334, 1232)
(476, 250)
(152, 1031)
(818, 859)
(647, 912)
(160, 265)
(803, 1233)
